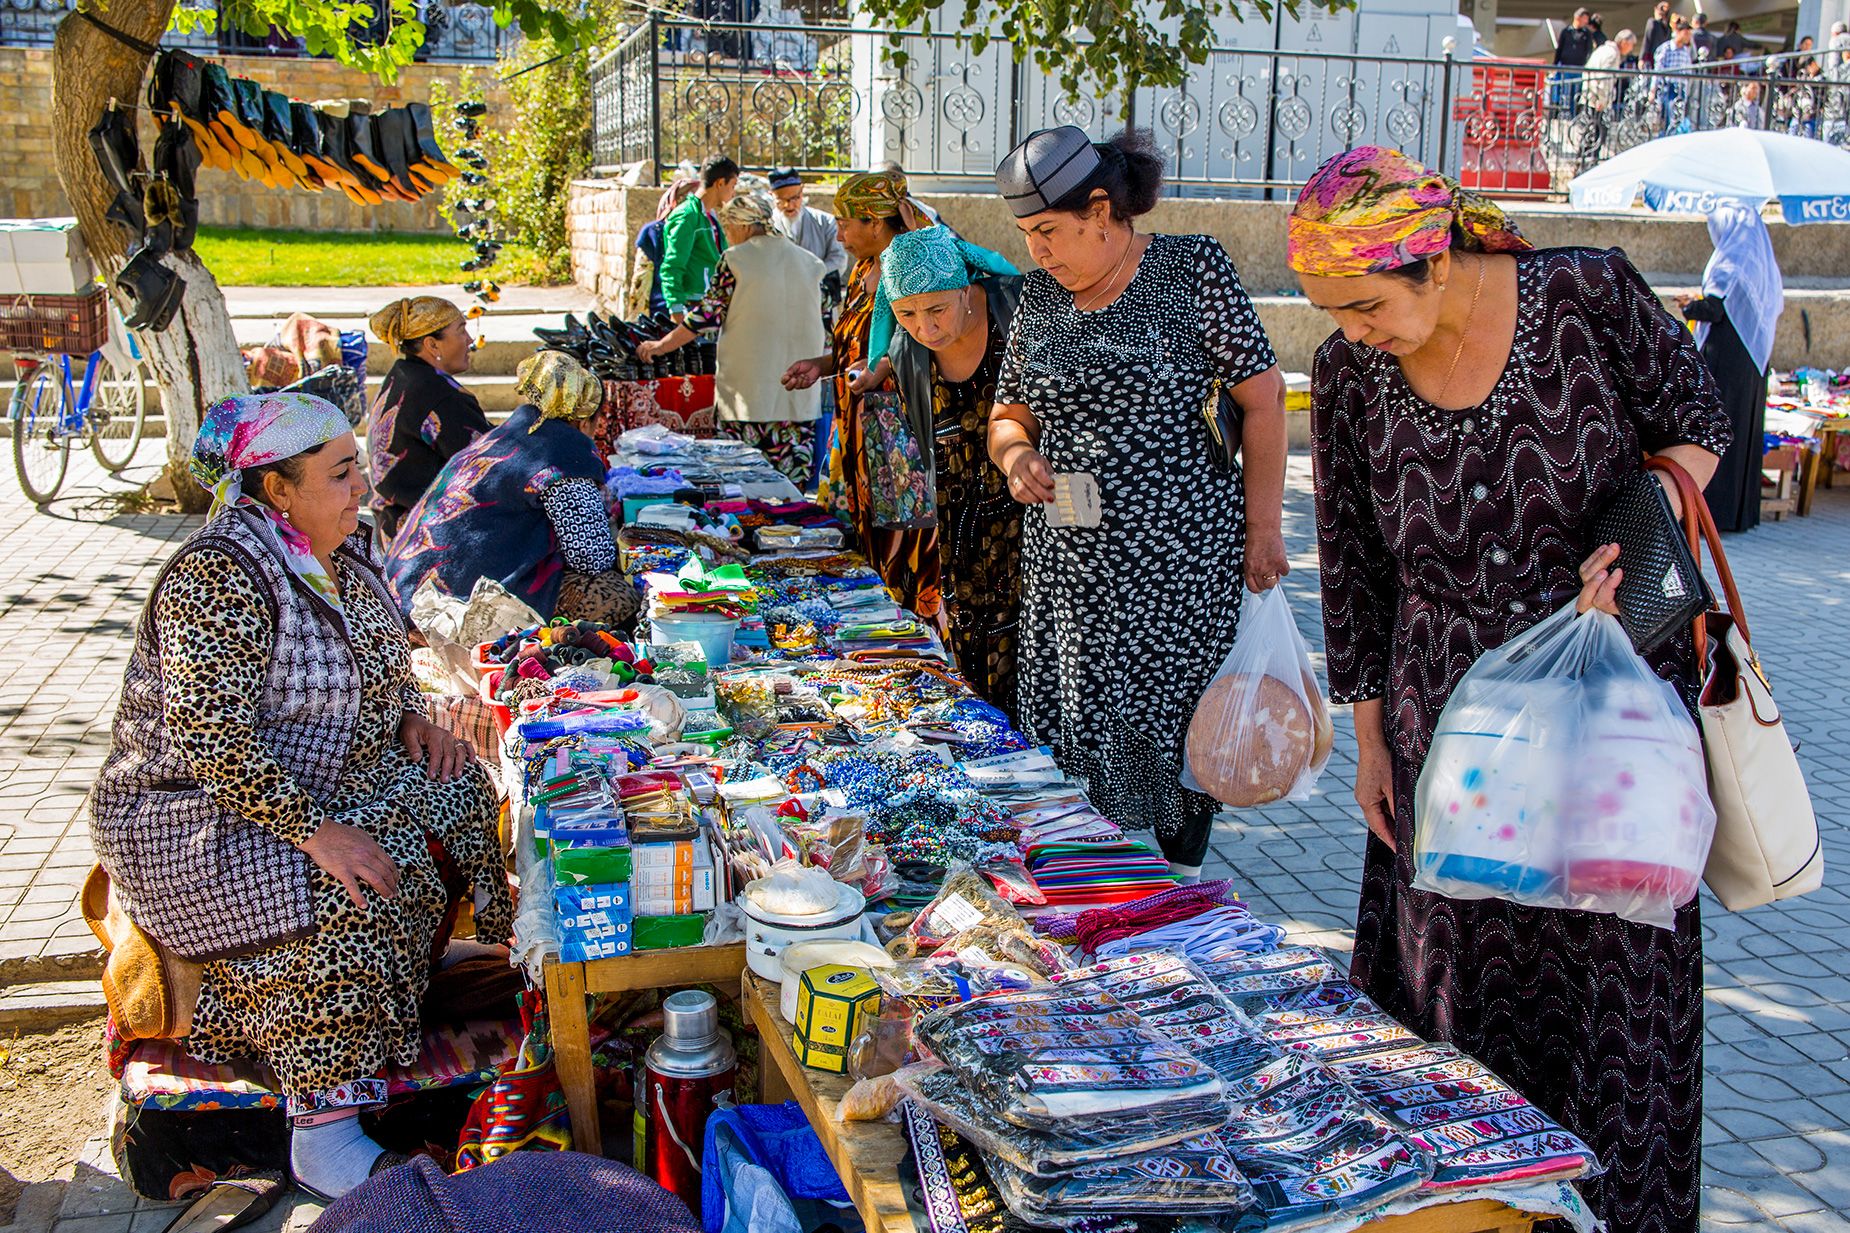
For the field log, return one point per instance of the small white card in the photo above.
(1075, 500)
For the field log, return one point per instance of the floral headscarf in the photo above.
(561, 387)
(1374, 209)
(402, 321)
(917, 262)
(879, 194)
(253, 430)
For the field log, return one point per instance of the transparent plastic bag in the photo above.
(1261, 731)
(1564, 773)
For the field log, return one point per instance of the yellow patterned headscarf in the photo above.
(403, 321)
(879, 194)
(1374, 209)
(561, 387)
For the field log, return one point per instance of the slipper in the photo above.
(230, 1203)
(384, 1161)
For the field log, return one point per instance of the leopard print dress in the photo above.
(328, 1011)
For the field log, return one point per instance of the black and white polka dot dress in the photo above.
(1122, 625)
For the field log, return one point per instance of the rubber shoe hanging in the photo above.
(118, 156)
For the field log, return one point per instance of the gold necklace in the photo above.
(1115, 270)
(1439, 400)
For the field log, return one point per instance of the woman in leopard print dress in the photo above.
(275, 807)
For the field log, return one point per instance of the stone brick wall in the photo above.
(29, 185)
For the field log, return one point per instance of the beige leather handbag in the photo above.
(1766, 835)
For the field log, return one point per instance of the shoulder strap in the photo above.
(1699, 526)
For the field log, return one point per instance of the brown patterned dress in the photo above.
(1442, 534)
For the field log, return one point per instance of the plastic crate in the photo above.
(54, 324)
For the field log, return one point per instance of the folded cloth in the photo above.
(778, 1139)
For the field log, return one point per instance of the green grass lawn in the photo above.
(241, 257)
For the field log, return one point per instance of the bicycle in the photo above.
(109, 409)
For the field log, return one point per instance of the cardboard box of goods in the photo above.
(585, 950)
(44, 256)
(591, 904)
(832, 1003)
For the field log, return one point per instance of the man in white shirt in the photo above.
(804, 225)
(1602, 78)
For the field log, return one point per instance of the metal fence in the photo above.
(455, 30)
(827, 98)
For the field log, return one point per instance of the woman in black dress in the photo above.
(1110, 359)
(422, 417)
(1742, 297)
(1480, 404)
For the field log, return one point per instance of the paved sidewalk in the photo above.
(1778, 1132)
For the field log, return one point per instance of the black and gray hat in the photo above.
(1046, 168)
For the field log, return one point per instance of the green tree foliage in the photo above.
(1101, 47)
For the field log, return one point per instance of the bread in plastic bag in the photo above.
(1564, 773)
(1262, 730)
(870, 1100)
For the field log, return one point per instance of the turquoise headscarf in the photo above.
(918, 262)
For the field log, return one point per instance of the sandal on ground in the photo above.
(230, 1203)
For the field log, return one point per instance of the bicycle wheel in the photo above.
(118, 414)
(40, 452)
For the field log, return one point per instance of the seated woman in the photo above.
(766, 302)
(274, 806)
(524, 505)
(953, 303)
(422, 417)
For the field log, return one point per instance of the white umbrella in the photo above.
(1690, 172)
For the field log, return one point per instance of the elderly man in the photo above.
(1603, 81)
(804, 225)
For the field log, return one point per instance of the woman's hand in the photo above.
(352, 857)
(1374, 772)
(1266, 562)
(1599, 581)
(803, 374)
(443, 755)
(860, 381)
(646, 351)
(1030, 478)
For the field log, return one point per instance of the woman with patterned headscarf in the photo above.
(422, 417)
(870, 210)
(524, 506)
(275, 812)
(1481, 403)
(766, 301)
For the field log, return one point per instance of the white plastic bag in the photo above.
(1261, 732)
(1564, 773)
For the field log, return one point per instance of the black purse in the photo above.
(1663, 590)
(1224, 423)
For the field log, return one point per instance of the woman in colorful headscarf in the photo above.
(274, 808)
(525, 506)
(766, 301)
(422, 418)
(870, 210)
(953, 303)
(1480, 404)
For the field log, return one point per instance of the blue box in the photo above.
(596, 903)
(575, 950)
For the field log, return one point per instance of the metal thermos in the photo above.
(687, 1072)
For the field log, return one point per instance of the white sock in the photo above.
(331, 1156)
(1185, 875)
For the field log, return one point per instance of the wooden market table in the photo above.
(867, 1155)
(568, 985)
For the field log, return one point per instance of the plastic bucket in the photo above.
(503, 714)
(713, 633)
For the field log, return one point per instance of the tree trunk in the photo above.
(196, 359)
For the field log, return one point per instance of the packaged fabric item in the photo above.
(1195, 1177)
(1329, 1021)
(1251, 981)
(659, 932)
(1230, 929)
(1262, 731)
(1564, 773)
(1071, 1060)
(1098, 872)
(1175, 999)
(576, 863)
(833, 1003)
(1479, 1130)
(1311, 1149)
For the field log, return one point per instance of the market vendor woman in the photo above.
(1116, 346)
(1480, 405)
(422, 417)
(274, 805)
(524, 506)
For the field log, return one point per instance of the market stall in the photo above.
(1810, 410)
(980, 992)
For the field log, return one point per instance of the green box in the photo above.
(667, 932)
(576, 864)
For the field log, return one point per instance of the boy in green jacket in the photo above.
(691, 243)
